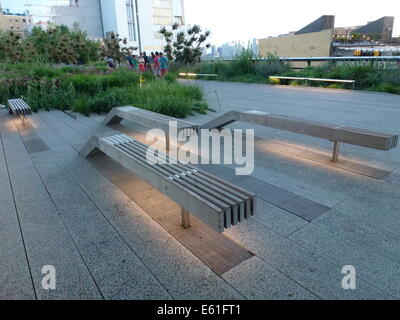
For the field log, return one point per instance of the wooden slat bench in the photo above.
(352, 82)
(335, 133)
(18, 107)
(214, 201)
(148, 119)
(194, 75)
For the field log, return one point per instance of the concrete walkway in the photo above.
(60, 209)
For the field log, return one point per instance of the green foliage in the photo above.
(49, 95)
(201, 107)
(243, 62)
(170, 77)
(112, 98)
(185, 46)
(57, 45)
(149, 76)
(81, 105)
(93, 84)
(367, 77)
(86, 91)
(244, 68)
(116, 47)
(389, 88)
(45, 72)
(170, 99)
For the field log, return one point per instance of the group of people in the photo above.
(155, 62)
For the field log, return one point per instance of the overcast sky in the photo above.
(231, 20)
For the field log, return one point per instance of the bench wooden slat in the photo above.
(180, 179)
(205, 185)
(18, 107)
(146, 118)
(312, 79)
(214, 201)
(355, 136)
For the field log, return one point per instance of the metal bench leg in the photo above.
(167, 142)
(336, 149)
(185, 218)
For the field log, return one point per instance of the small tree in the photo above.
(185, 46)
(116, 47)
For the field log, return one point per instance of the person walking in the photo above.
(163, 61)
(135, 63)
(151, 58)
(111, 63)
(156, 65)
(146, 61)
(142, 64)
(129, 59)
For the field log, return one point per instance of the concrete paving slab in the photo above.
(15, 279)
(111, 261)
(378, 205)
(46, 238)
(278, 219)
(362, 233)
(318, 275)
(257, 280)
(381, 272)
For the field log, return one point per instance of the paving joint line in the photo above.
(18, 219)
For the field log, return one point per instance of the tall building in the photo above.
(137, 20)
(85, 14)
(322, 39)
(16, 22)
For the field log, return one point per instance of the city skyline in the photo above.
(259, 19)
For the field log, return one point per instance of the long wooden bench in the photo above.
(18, 107)
(216, 202)
(148, 119)
(194, 75)
(335, 133)
(352, 82)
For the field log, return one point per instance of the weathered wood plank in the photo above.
(217, 207)
(355, 136)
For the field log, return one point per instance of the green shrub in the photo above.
(190, 92)
(112, 98)
(268, 68)
(336, 86)
(201, 107)
(86, 84)
(46, 72)
(170, 99)
(296, 83)
(49, 95)
(120, 78)
(148, 76)
(170, 77)
(389, 88)
(243, 62)
(85, 90)
(81, 105)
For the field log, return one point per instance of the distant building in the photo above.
(322, 39)
(230, 50)
(254, 47)
(15, 22)
(86, 14)
(139, 21)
